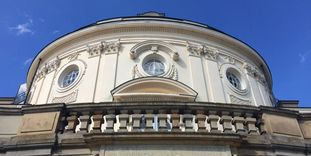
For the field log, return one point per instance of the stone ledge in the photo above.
(43, 108)
(162, 138)
(30, 142)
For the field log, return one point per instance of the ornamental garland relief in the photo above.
(254, 72)
(47, 68)
(213, 54)
(203, 50)
(69, 98)
(172, 73)
(104, 47)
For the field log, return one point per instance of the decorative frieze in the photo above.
(103, 47)
(172, 73)
(203, 50)
(47, 68)
(95, 50)
(111, 47)
(229, 59)
(254, 72)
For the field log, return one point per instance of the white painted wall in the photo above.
(108, 68)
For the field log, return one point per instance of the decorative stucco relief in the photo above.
(72, 97)
(203, 50)
(47, 68)
(104, 47)
(254, 72)
(237, 100)
(155, 46)
(172, 73)
(73, 56)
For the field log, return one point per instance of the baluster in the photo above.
(238, 122)
(213, 121)
(110, 120)
(250, 122)
(62, 124)
(162, 121)
(226, 121)
(188, 121)
(97, 121)
(123, 119)
(84, 119)
(175, 117)
(201, 119)
(72, 122)
(149, 118)
(261, 125)
(136, 119)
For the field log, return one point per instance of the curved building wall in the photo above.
(87, 65)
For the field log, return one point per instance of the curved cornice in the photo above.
(153, 89)
(113, 24)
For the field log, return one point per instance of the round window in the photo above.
(69, 76)
(234, 80)
(154, 67)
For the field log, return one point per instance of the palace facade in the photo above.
(151, 85)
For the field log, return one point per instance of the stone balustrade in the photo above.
(160, 117)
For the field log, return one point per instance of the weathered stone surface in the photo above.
(8, 129)
(282, 125)
(39, 123)
(306, 129)
(165, 150)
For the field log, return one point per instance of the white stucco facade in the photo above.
(109, 57)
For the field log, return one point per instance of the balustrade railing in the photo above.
(160, 117)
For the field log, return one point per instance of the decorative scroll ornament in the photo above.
(202, 50)
(73, 56)
(254, 72)
(155, 46)
(95, 50)
(229, 59)
(104, 47)
(172, 73)
(111, 47)
(47, 68)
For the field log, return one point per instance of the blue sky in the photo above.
(280, 30)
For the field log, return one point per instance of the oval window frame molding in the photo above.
(81, 67)
(238, 73)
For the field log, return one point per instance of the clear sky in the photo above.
(280, 30)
